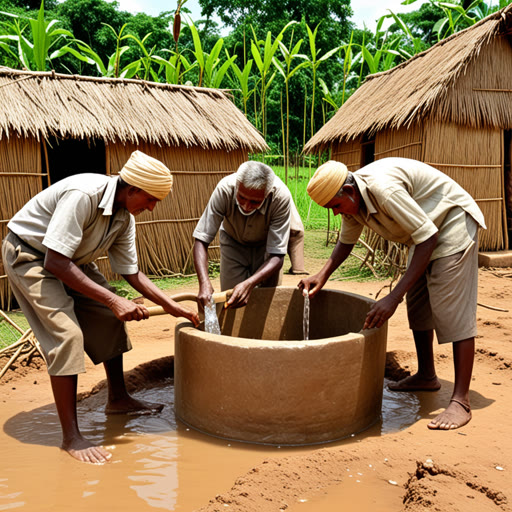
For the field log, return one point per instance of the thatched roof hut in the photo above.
(449, 106)
(54, 125)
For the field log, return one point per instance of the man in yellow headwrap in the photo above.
(412, 203)
(48, 255)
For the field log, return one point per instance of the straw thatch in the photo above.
(450, 106)
(42, 104)
(198, 133)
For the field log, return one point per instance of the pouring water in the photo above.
(305, 318)
(211, 322)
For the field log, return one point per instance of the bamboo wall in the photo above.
(474, 159)
(20, 179)
(349, 153)
(508, 183)
(403, 143)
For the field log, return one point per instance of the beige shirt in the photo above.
(75, 217)
(408, 201)
(269, 225)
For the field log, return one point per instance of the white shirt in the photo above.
(408, 201)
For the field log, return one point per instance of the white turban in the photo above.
(327, 181)
(147, 173)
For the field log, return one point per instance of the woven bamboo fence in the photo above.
(349, 153)
(20, 179)
(474, 159)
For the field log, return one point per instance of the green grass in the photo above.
(9, 334)
(312, 215)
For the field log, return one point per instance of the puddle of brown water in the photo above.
(360, 491)
(158, 462)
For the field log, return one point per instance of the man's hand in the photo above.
(127, 310)
(189, 314)
(240, 296)
(205, 293)
(312, 284)
(381, 311)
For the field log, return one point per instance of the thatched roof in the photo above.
(41, 104)
(428, 85)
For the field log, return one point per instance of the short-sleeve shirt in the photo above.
(269, 225)
(408, 201)
(75, 217)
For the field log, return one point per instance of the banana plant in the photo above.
(32, 50)
(456, 17)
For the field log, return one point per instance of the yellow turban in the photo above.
(326, 182)
(148, 174)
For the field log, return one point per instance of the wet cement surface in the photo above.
(159, 463)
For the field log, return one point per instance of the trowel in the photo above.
(211, 323)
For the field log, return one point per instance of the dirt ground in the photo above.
(468, 469)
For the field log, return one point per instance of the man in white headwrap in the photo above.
(48, 255)
(410, 202)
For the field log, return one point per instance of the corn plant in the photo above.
(113, 67)
(176, 66)
(314, 63)
(381, 55)
(32, 51)
(243, 77)
(416, 41)
(286, 70)
(264, 63)
(211, 71)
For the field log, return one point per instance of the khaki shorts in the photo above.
(445, 297)
(64, 321)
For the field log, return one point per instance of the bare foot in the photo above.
(416, 383)
(84, 451)
(130, 405)
(456, 415)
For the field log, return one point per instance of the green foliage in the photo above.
(30, 40)
(313, 216)
(8, 334)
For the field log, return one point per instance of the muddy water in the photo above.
(360, 491)
(158, 462)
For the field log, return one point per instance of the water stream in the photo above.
(211, 321)
(305, 320)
